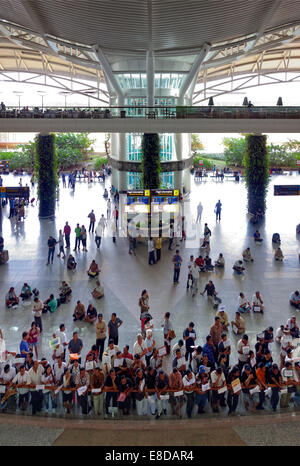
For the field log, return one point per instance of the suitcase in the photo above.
(3, 256)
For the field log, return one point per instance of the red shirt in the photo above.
(67, 229)
(127, 356)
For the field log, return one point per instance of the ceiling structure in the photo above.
(84, 47)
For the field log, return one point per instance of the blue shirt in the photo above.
(23, 347)
(208, 350)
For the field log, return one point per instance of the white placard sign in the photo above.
(96, 390)
(81, 390)
(246, 349)
(162, 351)
(40, 387)
(180, 393)
(222, 390)
(89, 365)
(205, 387)
(254, 390)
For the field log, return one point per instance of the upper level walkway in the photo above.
(159, 119)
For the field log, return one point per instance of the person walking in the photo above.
(177, 261)
(92, 218)
(113, 328)
(218, 209)
(98, 235)
(199, 212)
(77, 237)
(108, 211)
(51, 248)
(151, 249)
(67, 232)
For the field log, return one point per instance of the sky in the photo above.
(262, 95)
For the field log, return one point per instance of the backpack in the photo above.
(276, 238)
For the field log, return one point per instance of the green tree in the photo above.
(196, 144)
(235, 150)
(72, 148)
(150, 162)
(280, 156)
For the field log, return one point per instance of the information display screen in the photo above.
(287, 190)
(15, 191)
(138, 202)
(165, 200)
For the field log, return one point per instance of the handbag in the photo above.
(171, 334)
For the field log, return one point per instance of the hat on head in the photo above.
(201, 369)
(222, 308)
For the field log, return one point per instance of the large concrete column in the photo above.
(114, 152)
(178, 180)
(187, 179)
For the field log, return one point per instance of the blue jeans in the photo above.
(47, 397)
(176, 275)
(50, 254)
(201, 399)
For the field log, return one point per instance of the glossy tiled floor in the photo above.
(124, 276)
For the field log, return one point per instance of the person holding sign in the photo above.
(233, 383)
(243, 349)
(224, 348)
(97, 383)
(274, 381)
(175, 383)
(238, 325)
(249, 382)
(289, 382)
(125, 387)
(179, 362)
(219, 388)
(162, 382)
(189, 336)
(257, 303)
(67, 394)
(82, 385)
(140, 387)
(189, 384)
(202, 390)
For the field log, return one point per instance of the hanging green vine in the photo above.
(150, 162)
(46, 172)
(257, 171)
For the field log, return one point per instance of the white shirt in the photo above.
(102, 223)
(279, 333)
(58, 371)
(242, 357)
(284, 343)
(36, 377)
(256, 301)
(37, 308)
(150, 245)
(214, 376)
(195, 272)
(132, 229)
(62, 336)
(186, 382)
(176, 347)
(7, 377)
(59, 351)
(289, 324)
(237, 264)
(242, 301)
(199, 208)
(18, 379)
(138, 349)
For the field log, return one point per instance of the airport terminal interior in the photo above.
(98, 70)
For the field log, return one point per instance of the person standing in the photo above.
(92, 218)
(189, 336)
(61, 244)
(113, 328)
(67, 232)
(100, 327)
(158, 248)
(35, 376)
(116, 215)
(168, 332)
(218, 209)
(51, 248)
(177, 261)
(37, 312)
(75, 345)
(83, 238)
(132, 237)
(77, 237)
(151, 249)
(199, 212)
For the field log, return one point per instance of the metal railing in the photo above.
(161, 112)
